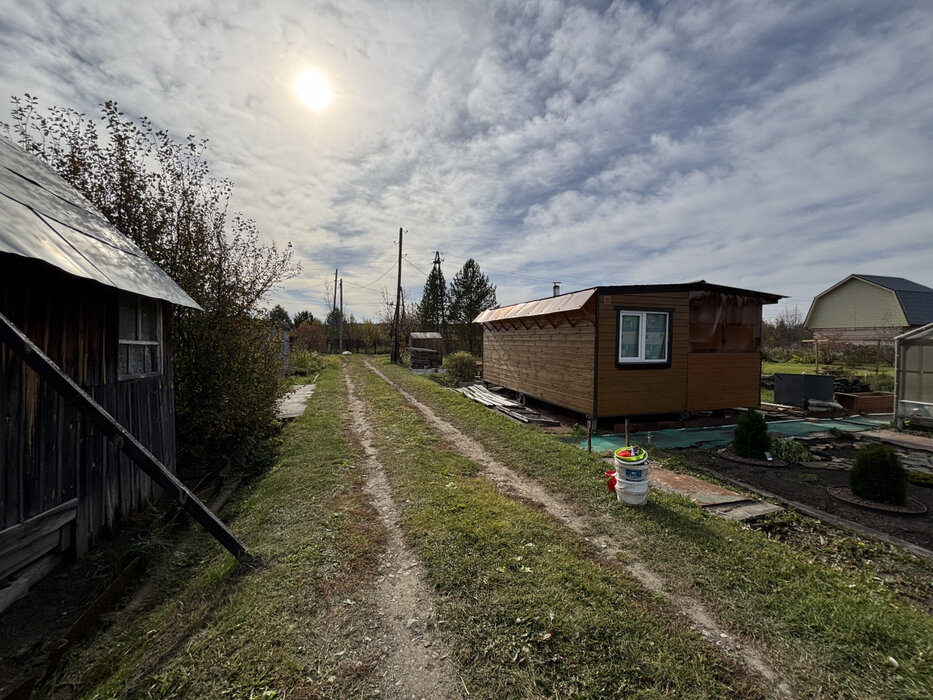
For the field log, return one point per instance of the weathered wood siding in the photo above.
(723, 380)
(49, 454)
(635, 390)
(545, 358)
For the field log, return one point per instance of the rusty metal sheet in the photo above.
(572, 301)
(44, 218)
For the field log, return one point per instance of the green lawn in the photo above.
(798, 368)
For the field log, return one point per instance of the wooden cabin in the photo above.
(630, 350)
(93, 302)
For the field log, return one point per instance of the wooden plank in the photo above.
(42, 524)
(26, 577)
(28, 553)
(35, 358)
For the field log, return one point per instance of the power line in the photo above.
(426, 275)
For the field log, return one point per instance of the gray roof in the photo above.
(426, 335)
(915, 299)
(44, 218)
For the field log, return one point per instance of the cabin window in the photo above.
(644, 336)
(140, 339)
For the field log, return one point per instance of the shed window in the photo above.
(643, 336)
(140, 339)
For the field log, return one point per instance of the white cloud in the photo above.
(765, 144)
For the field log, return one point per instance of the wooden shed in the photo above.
(89, 299)
(869, 310)
(630, 350)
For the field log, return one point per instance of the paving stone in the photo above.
(746, 512)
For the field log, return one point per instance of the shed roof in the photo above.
(574, 301)
(44, 218)
(426, 335)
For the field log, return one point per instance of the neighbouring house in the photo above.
(100, 309)
(630, 350)
(913, 376)
(869, 310)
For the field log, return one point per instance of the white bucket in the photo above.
(633, 493)
(632, 472)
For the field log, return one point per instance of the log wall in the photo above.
(49, 457)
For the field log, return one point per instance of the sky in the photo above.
(770, 145)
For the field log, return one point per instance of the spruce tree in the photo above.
(432, 312)
(470, 294)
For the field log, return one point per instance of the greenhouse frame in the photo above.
(913, 377)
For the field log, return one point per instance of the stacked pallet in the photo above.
(421, 358)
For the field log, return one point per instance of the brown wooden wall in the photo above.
(555, 364)
(723, 380)
(550, 359)
(632, 391)
(51, 456)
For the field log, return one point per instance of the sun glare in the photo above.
(313, 89)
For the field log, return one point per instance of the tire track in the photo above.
(416, 664)
(512, 484)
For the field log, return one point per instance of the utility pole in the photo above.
(398, 298)
(340, 341)
(330, 342)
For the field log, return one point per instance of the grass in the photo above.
(521, 601)
(829, 621)
(214, 628)
(810, 368)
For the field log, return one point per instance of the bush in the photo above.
(879, 476)
(790, 451)
(306, 363)
(881, 382)
(750, 438)
(460, 367)
(227, 383)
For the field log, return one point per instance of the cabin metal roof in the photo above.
(426, 335)
(44, 218)
(574, 301)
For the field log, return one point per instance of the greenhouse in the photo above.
(913, 389)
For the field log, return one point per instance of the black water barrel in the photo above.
(796, 389)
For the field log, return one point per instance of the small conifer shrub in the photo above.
(879, 476)
(750, 438)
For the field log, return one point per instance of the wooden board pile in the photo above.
(421, 358)
(512, 409)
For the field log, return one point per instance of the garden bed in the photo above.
(808, 484)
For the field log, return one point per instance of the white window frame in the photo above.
(157, 343)
(642, 334)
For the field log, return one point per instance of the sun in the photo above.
(312, 88)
